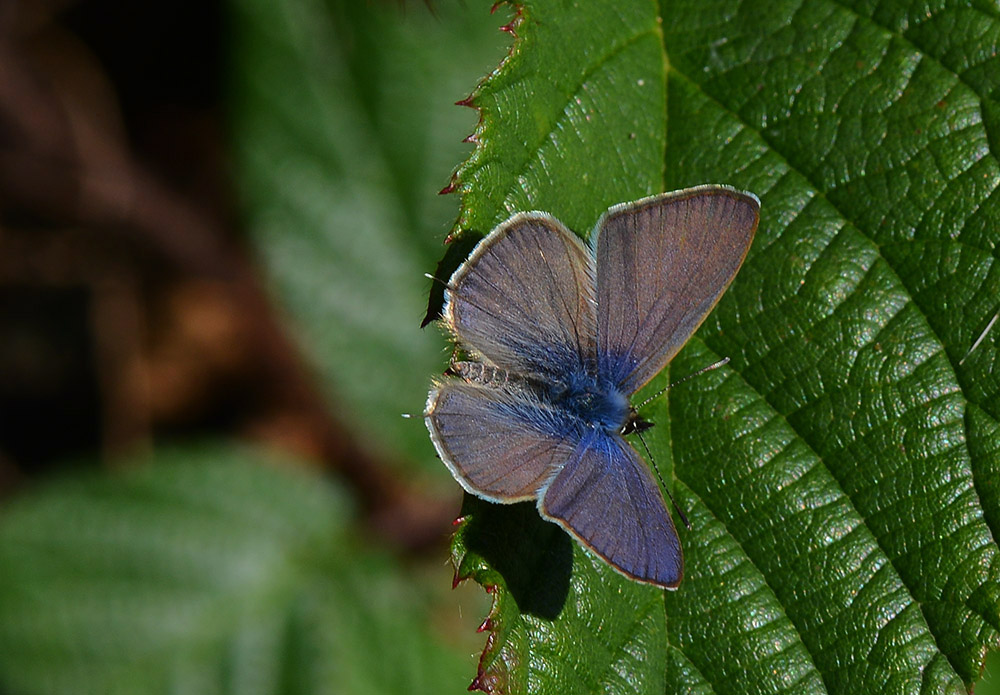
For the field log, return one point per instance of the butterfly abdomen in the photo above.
(482, 374)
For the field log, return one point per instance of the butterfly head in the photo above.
(634, 423)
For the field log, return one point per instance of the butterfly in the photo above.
(560, 334)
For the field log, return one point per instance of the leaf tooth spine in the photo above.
(451, 187)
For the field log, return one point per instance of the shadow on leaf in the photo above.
(533, 556)
(456, 254)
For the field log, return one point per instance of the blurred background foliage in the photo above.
(205, 488)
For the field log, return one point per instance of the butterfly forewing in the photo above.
(525, 299)
(662, 264)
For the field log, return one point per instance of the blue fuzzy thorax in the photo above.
(598, 405)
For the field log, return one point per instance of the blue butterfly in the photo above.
(561, 334)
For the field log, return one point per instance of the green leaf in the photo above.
(841, 472)
(550, 136)
(344, 131)
(212, 571)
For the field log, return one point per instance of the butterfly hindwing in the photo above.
(500, 444)
(606, 497)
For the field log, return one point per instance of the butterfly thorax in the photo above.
(600, 406)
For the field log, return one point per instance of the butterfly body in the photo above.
(562, 334)
(596, 405)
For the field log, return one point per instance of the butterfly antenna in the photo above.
(716, 365)
(663, 485)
